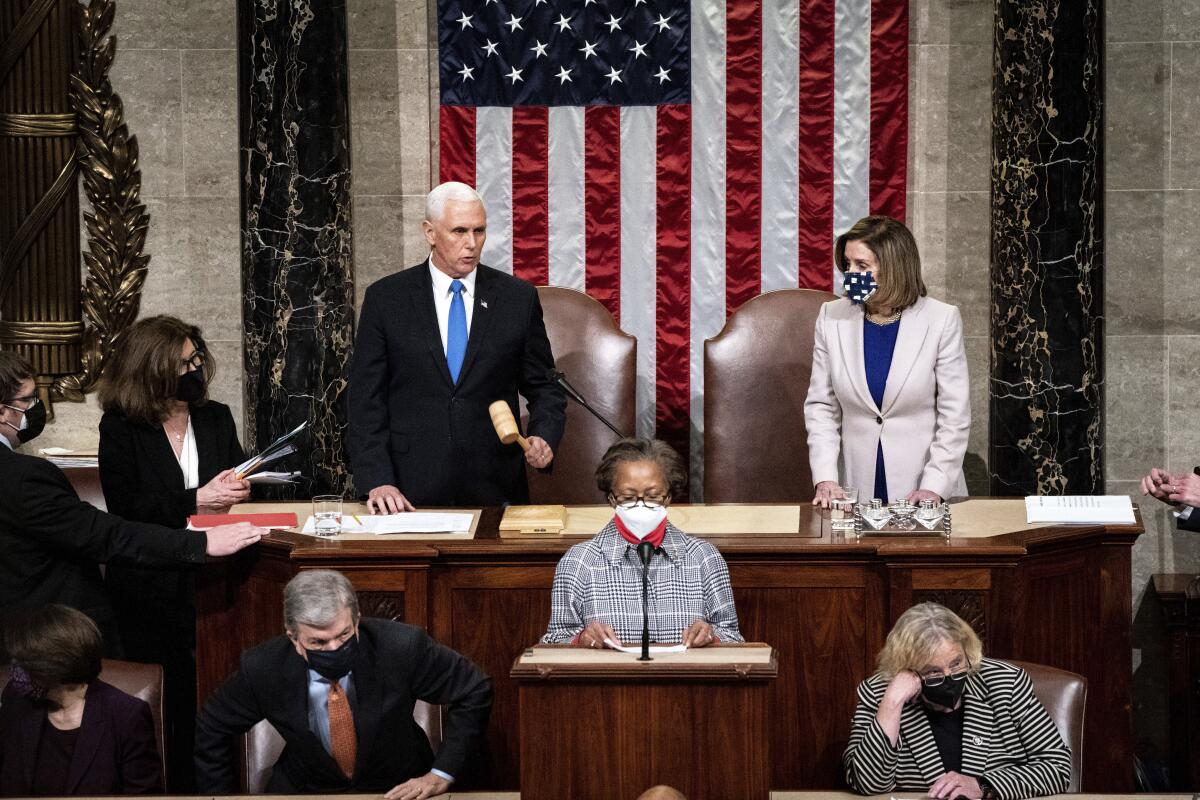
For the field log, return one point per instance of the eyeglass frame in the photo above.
(33, 400)
(190, 363)
(937, 680)
(646, 500)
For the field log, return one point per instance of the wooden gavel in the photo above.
(506, 425)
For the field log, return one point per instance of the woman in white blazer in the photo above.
(888, 407)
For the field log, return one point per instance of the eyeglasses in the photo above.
(32, 399)
(631, 500)
(196, 361)
(939, 678)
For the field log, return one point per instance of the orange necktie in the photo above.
(341, 729)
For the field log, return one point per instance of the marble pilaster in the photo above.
(297, 273)
(1047, 317)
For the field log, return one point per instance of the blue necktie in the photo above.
(456, 331)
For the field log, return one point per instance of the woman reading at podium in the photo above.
(597, 594)
(940, 718)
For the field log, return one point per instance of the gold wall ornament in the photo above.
(112, 182)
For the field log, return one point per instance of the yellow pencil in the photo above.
(357, 521)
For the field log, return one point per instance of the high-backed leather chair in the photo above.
(600, 360)
(143, 681)
(1064, 694)
(262, 745)
(756, 373)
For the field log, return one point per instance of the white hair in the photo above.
(315, 598)
(435, 201)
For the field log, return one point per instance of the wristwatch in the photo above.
(989, 791)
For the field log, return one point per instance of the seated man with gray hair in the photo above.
(340, 690)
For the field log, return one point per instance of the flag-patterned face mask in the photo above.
(859, 286)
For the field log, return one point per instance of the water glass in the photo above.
(841, 510)
(327, 514)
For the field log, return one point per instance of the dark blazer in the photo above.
(1008, 740)
(142, 481)
(1192, 523)
(115, 752)
(398, 665)
(412, 428)
(53, 544)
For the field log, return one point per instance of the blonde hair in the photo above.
(895, 250)
(919, 632)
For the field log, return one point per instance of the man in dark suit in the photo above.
(341, 692)
(53, 542)
(1181, 491)
(436, 345)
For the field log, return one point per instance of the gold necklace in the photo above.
(177, 436)
(878, 320)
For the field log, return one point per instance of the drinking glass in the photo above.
(841, 509)
(327, 514)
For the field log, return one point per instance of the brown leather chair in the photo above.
(262, 745)
(86, 482)
(143, 681)
(599, 359)
(1064, 694)
(756, 373)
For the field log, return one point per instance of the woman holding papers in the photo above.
(596, 600)
(166, 452)
(940, 719)
(888, 400)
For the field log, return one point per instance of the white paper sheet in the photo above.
(411, 522)
(274, 477)
(1111, 509)
(655, 649)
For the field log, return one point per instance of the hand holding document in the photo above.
(1101, 509)
(409, 522)
(655, 649)
(283, 446)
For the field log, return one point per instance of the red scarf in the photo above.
(655, 537)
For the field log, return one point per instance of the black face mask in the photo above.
(334, 664)
(35, 422)
(190, 387)
(947, 694)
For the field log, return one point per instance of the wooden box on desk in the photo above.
(598, 725)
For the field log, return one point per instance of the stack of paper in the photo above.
(1100, 509)
(655, 649)
(410, 522)
(274, 477)
(283, 446)
(65, 459)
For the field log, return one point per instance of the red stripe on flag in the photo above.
(743, 152)
(530, 181)
(456, 144)
(889, 107)
(602, 205)
(673, 263)
(816, 144)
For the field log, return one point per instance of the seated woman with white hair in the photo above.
(938, 717)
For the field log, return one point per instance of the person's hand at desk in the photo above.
(222, 492)
(427, 785)
(699, 634)
(387, 499)
(225, 540)
(539, 455)
(917, 495)
(594, 634)
(824, 493)
(952, 785)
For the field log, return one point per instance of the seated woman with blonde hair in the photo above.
(940, 718)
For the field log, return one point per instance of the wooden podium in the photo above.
(601, 725)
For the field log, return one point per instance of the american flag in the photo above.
(674, 159)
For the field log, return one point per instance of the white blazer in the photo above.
(925, 418)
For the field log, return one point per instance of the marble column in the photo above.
(297, 274)
(1047, 270)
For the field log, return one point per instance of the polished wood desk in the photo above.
(1057, 595)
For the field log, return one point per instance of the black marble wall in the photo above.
(1047, 370)
(297, 275)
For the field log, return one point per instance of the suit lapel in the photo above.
(161, 452)
(978, 719)
(294, 712)
(206, 445)
(915, 730)
(91, 731)
(425, 317)
(850, 338)
(484, 311)
(368, 700)
(914, 327)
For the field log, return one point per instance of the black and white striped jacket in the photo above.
(1008, 739)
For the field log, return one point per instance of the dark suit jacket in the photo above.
(142, 481)
(53, 543)
(412, 428)
(1192, 523)
(399, 664)
(115, 753)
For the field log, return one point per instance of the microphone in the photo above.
(561, 379)
(645, 550)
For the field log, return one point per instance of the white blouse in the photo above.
(189, 461)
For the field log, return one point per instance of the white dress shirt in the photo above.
(442, 297)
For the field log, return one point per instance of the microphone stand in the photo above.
(645, 550)
(561, 379)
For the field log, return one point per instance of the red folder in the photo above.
(202, 522)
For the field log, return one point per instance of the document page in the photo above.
(655, 649)
(1103, 509)
(411, 522)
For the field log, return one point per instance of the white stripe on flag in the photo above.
(639, 138)
(780, 144)
(708, 208)
(565, 197)
(493, 149)
(851, 116)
